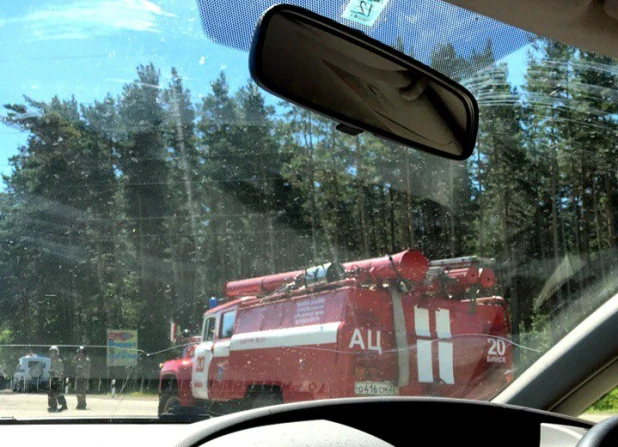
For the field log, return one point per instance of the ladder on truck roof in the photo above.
(465, 261)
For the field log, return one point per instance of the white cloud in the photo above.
(83, 19)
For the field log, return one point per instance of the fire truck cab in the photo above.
(396, 325)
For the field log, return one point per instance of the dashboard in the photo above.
(393, 421)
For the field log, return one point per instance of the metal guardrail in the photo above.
(96, 386)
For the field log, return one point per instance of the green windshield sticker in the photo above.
(365, 12)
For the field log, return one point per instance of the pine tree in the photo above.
(63, 189)
(142, 160)
(187, 235)
(263, 163)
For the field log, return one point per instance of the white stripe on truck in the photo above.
(445, 360)
(421, 322)
(443, 323)
(315, 334)
(424, 361)
(424, 346)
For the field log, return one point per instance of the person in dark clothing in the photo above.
(81, 363)
(56, 375)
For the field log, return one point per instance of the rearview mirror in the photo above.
(361, 83)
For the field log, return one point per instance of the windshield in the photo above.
(147, 180)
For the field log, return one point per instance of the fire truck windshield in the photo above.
(176, 239)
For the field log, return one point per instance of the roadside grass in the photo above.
(608, 404)
(136, 394)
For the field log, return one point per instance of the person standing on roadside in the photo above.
(81, 363)
(56, 375)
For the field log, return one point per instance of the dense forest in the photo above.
(133, 210)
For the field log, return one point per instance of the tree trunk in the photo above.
(408, 201)
(361, 197)
(181, 307)
(100, 266)
(198, 285)
(392, 219)
(215, 265)
(597, 228)
(481, 246)
(336, 243)
(513, 277)
(609, 212)
(384, 224)
(554, 214)
(308, 136)
(372, 221)
(451, 210)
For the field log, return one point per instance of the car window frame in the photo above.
(207, 319)
(220, 334)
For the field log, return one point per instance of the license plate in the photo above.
(375, 389)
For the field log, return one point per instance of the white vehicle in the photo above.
(32, 374)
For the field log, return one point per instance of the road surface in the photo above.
(22, 406)
(33, 405)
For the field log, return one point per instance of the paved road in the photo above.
(30, 405)
(35, 406)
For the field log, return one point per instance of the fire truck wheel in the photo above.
(266, 398)
(168, 401)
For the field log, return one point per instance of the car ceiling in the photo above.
(587, 24)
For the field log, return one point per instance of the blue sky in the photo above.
(88, 48)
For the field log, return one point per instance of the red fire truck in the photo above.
(397, 325)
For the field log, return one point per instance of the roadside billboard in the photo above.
(121, 347)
